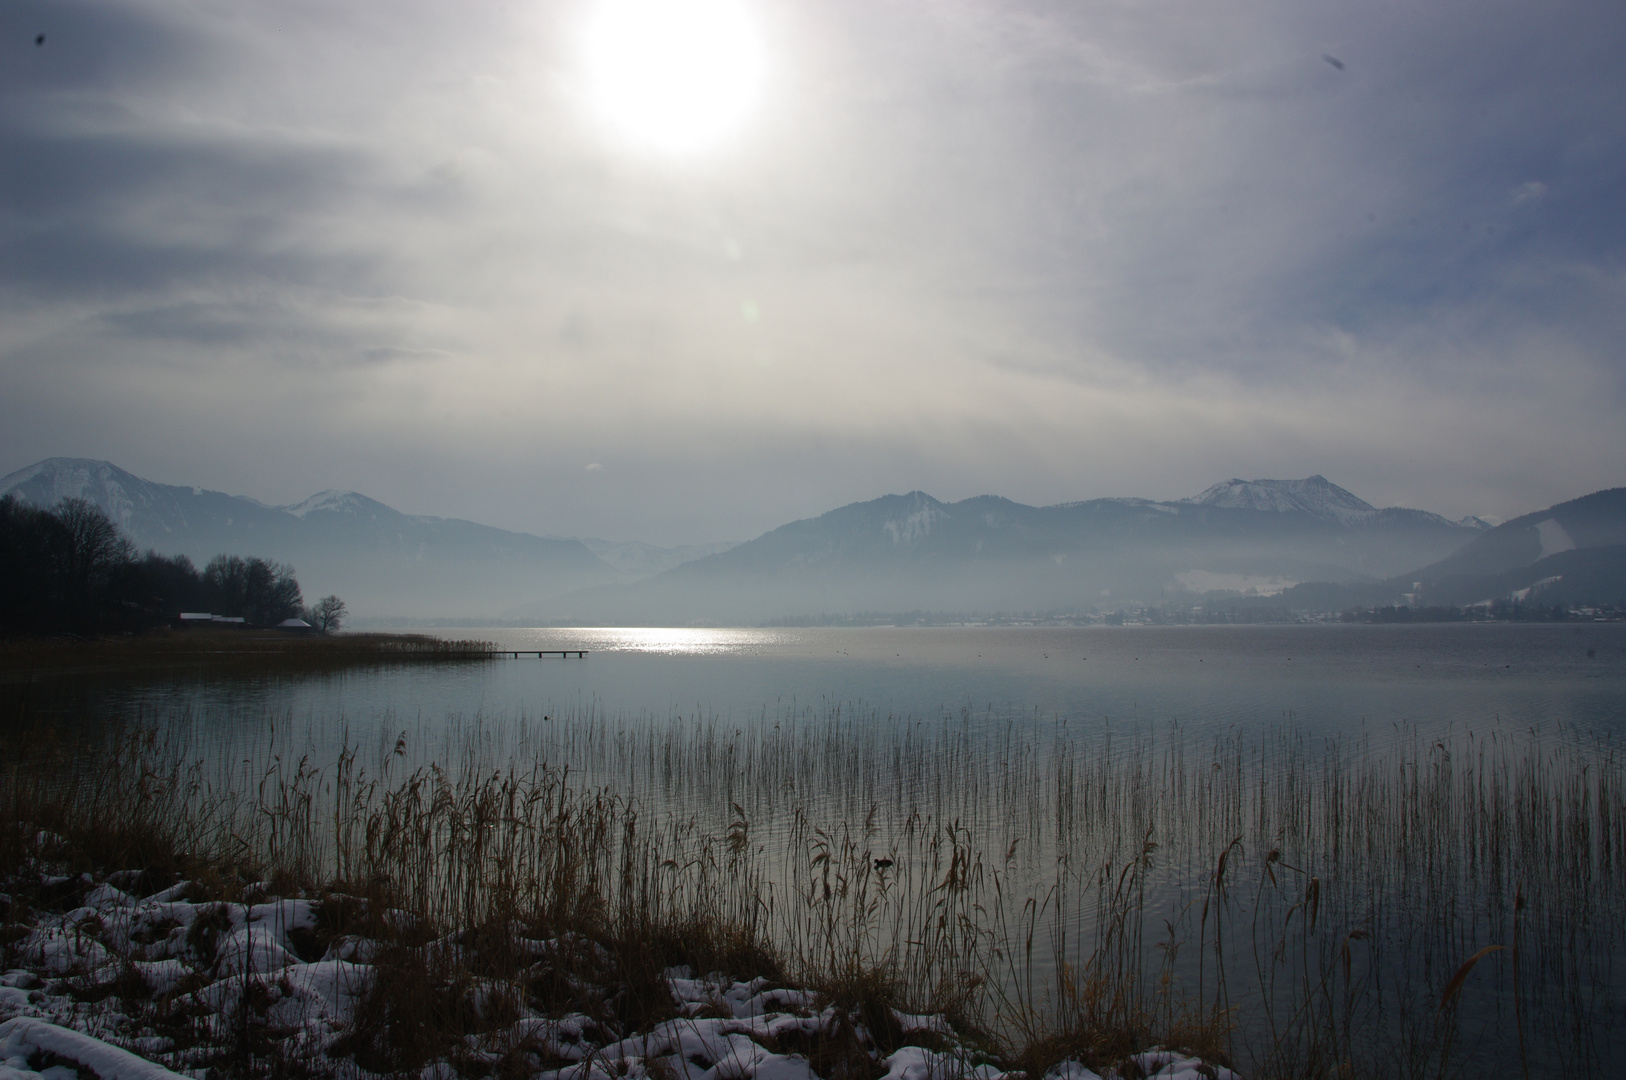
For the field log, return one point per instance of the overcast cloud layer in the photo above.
(1051, 251)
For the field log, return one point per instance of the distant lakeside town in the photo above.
(1496, 611)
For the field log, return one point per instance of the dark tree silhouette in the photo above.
(328, 614)
(70, 570)
(258, 590)
(95, 550)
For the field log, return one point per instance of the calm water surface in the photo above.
(1566, 679)
(1254, 732)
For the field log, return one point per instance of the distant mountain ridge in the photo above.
(646, 560)
(1314, 495)
(333, 501)
(1592, 521)
(990, 554)
(383, 562)
(897, 552)
(1571, 553)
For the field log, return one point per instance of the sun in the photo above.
(674, 76)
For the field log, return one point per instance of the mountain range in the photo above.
(383, 562)
(1306, 543)
(988, 554)
(1571, 553)
(895, 553)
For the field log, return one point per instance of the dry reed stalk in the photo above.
(894, 863)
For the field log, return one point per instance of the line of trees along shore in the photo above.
(69, 569)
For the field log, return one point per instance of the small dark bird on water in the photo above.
(39, 39)
(1333, 60)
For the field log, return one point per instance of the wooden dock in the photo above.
(540, 653)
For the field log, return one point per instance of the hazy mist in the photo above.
(1047, 251)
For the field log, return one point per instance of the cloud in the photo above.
(1046, 252)
(1531, 191)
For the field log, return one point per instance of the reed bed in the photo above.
(1300, 907)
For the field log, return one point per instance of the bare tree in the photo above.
(328, 614)
(261, 590)
(95, 547)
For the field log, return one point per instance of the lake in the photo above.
(1278, 819)
(1333, 680)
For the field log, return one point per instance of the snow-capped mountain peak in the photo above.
(1314, 495)
(335, 501)
(920, 513)
(102, 483)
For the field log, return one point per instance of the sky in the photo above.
(682, 272)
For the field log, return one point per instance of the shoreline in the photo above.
(227, 652)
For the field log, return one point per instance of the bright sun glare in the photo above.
(673, 75)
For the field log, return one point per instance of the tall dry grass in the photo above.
(1299, 907)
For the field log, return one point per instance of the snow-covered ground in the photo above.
(121, 986)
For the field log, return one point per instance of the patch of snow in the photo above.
(914, 526)
(1314, 495)
(333, 986)
(1071, 1070)
(23, 1037)
(231, 956)
(1202, 581)
(338, 502)
(1553, 538)
(1168, 1065)
(1534, 587)
(107, 896)
(97, 482)
(175, 892)
(919, 1063)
